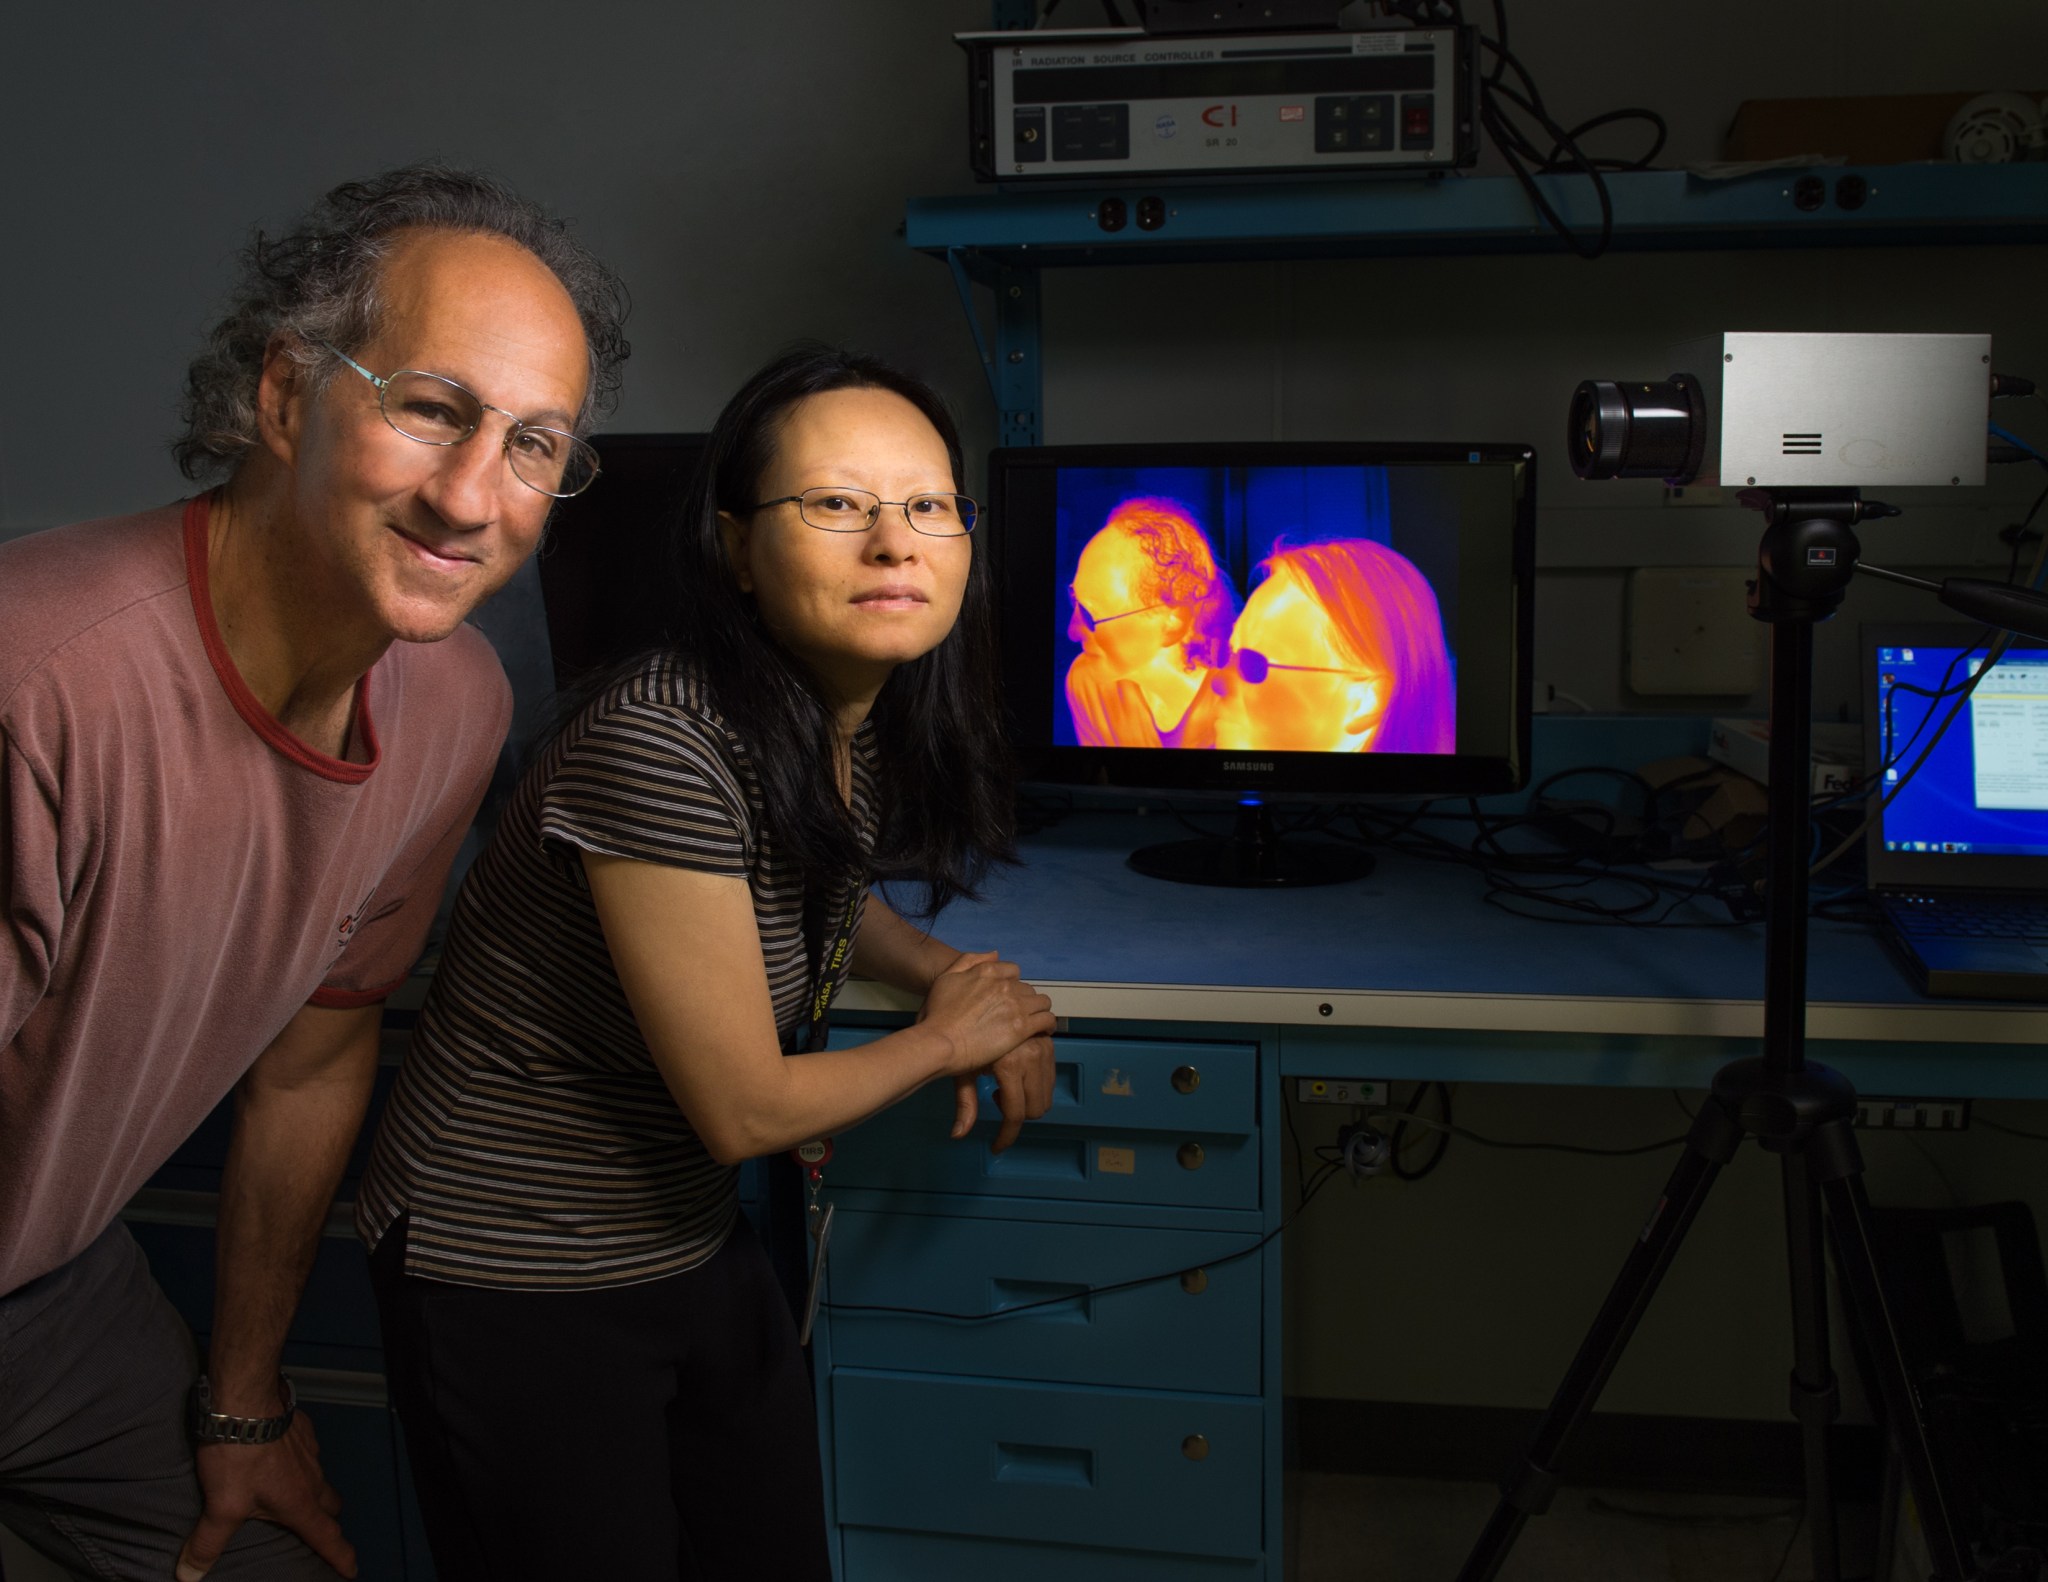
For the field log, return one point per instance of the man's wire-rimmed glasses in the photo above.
(434, 410)
(834, 510)
(1090, 621)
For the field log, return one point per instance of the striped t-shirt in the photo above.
(530, 1139)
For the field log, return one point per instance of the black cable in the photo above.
(2011, 1131)
(1443, 1141)
(1791, 1543)
(1526, 159)
(1888, 793)
(1300, 1157)
(1316, 1184)
(2017, 534)
(1539, 1147)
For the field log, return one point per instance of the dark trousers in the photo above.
(659, 1432)
(95, 1469)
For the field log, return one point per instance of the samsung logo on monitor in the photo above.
(1265, 767)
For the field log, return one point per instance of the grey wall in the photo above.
(745, 166)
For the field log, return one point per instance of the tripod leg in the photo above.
(1528, 1485)
(1839, 1167)
(1815, 1399)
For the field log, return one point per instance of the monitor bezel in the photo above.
(1028, 601)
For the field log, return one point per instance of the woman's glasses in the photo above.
(1252, 667)
(833, 510)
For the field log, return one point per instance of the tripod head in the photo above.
(1810, 550)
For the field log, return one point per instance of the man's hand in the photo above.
(1023, 1092)
(279, 1482)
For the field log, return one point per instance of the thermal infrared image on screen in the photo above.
(1255, 609)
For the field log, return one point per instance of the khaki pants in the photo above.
(95, 1469)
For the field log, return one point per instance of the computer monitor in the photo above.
(1975, 814)
(1268, 621)
(604, 561)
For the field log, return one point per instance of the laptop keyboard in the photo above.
(1970, 917)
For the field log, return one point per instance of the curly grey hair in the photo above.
(320, 283)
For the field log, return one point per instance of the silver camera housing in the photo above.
(1849, 410)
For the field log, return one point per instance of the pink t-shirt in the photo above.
(180, 873)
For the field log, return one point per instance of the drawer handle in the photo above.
(1041, 1159)
(1063, 1464)
(1191, 1156)
(1186, 1079)
(1042, 1300)
(1195, 1447)
(1194, 1281)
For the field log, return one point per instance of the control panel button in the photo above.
(1354, 123)
(1091, 131)
(1418, 120)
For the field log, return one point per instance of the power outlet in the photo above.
(1339, 1090)
(1882, 1113)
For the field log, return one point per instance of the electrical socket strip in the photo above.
(1882, 1113)
(1340, 1090)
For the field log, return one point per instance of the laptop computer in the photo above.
(1959, 860)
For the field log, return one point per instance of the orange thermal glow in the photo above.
(1152, 613)
(1340, 649)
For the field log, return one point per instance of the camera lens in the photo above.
(1637, 430)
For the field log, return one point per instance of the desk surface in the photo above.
(1412, 945)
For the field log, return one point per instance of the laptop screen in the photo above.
(1983, 790)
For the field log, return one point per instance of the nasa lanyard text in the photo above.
(813, 1156)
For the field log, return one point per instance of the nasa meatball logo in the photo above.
(1165, 127)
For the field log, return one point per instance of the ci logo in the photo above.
(1220, 115)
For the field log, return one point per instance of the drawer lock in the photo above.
(1194, 1281)
(1195, 1447)
(1191, 1156)
(1186, 1079)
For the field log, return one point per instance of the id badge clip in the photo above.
(811, 1158)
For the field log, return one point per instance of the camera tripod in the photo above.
(1804, 1113)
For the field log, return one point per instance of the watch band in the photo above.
(208, 1427)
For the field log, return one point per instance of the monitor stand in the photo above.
(1253, 856)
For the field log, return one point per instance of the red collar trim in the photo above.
(254, 715)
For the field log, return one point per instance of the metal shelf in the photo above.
(1002, 238)
(1652, 209)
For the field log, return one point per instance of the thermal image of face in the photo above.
(1151, 610)
(1340, 649)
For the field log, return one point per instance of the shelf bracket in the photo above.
(1012, 366)
(963, 282)
(1020, 397)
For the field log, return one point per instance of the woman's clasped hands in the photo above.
(1000, 1026)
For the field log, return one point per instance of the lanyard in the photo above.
(812, 1038)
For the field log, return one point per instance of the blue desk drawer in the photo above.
(1135, 1084)
(1169, 1334)
(906, 1149)
(878, 1555)
(1100, 1468)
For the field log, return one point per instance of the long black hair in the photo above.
(944, 765)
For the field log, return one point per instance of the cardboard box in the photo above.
(1890, 129)
(1745, 746)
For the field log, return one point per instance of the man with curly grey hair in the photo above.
(241, 738)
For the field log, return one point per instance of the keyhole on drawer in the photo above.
(1186, 1079)
(1190, 1156)
(1194, 1281)
(1195, 1447)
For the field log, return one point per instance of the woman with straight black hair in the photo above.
(595, 1367)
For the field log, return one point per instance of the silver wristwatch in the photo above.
(208, 1427)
